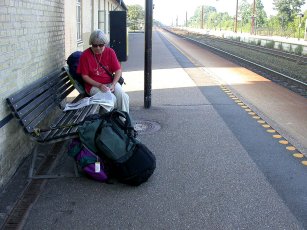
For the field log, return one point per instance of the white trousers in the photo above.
(120, 98)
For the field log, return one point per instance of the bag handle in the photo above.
(114, 117)
(116, 114)
(126, 126)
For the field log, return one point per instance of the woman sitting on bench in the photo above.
(96, 64)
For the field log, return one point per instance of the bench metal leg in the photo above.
(76, 169)
(34, 156)
(47, 176)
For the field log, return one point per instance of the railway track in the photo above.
(290, 81)
(299, 59)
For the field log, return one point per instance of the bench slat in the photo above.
(39, 112)
(26, 109)
(52, 134)
(94, 110)
(71, 117)
(37, 86)
(28, 89)
(21, 106)
(34, 123)
(17, 104)
(37, 101)
(74, 119)
(35, 111)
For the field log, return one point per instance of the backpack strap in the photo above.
(108, 72)
(120, 80)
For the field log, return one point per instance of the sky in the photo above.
(166, 11)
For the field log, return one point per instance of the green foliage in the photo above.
(206, 12)
(245, 11)
(286, 23)
(236, 38)
(261, 18)
(280, 47)
(298, 50)
(136, 17)
(270, 44)
(288, 10)
(252, 42)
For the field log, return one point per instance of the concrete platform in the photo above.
(210, 173)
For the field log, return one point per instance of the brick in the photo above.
(3, 10)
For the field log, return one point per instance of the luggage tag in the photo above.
(97, 166)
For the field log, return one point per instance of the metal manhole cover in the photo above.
(145, 127)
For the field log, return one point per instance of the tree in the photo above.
(195, 20)
(287, 10)
(261, 16)
(136, 17)
(246, 13)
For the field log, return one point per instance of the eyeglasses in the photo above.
(96, 45)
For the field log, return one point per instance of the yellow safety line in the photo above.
(268, 128)
(247, 109)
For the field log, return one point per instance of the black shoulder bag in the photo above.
(121, 80)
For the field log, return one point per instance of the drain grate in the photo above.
(17, 217)
(146, 127)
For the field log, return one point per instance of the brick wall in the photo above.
(31, 46)
(36, 37)
(70, 27)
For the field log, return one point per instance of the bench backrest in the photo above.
(33, 103)
(76, 84)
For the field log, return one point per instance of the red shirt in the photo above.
(89, 66)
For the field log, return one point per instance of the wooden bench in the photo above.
(39, 109)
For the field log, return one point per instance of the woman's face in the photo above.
(98, 48)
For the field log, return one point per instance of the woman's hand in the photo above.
(112, 88)
(104, 88)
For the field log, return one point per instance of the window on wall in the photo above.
(108, 21)
(78, 17)
(101, 20)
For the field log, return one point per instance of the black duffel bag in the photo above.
(138, 168)
(112, 137)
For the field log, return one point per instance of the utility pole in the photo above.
(186, 19)
(236, 19)
(253, 17)
(148, 54)
(300, 24)
(202, 18)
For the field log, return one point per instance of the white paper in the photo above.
(102, 98)
(97, 167)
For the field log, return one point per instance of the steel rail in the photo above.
(289, 56)
(241, 61)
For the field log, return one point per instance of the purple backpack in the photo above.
(90, 163)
